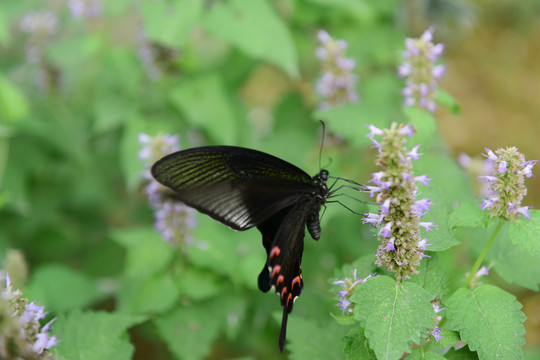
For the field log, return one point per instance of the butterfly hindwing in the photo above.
(237, 186)
(284, 256)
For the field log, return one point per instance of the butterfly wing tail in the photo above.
(283, 333)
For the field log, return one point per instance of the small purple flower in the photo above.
(482, 272)
(436, 333)
(421, 72)
(348, 287)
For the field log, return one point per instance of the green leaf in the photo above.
(445, 99)
(425, 125)
(512, 263)
(95, 335)
(254, 27)
(147, 252)
(193, 96)
(197, 284)
(356, 346)
(461, 354)
(155, 294)
(170, 23)
(307, 339)
(431, 277)
(418, 354)
(489, 320)
(189, 331)
(469, 214)
(394, 315)
(441, 238)
(526, 233)
(13, 102)
(346, 120)
(60, 288)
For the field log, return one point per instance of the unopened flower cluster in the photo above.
(348, 286)
(337, 83)
(400, 214)
(507, 183)
(85, 8)
(173, 219)
(40, 27)
(156, 59)
(421, 73)
(21, 334)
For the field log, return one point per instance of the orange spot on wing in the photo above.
(280, 280)
(275, 251)
(289, 298)
(283, 292)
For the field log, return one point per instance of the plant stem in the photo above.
(478, 262)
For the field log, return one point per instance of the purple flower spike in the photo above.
(507, 183)
(337, 84)
(399, 224)
(421, 72)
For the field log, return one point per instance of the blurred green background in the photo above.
(234, 72)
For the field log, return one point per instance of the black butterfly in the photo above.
(242, 188)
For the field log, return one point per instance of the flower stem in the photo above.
(478, 262)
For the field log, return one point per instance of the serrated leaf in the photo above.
(489, 320)
(60, 288)
(394, 315)
(356, 345)
(469, 214)
(512, 263)
(526, 233)
(306, 339)
(255, 28)
(189, 331)
(431, 277)
(95, 335)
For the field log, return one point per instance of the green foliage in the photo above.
(525, 233)
(394, 315)
(236, 72)
(95, 335)
(490, 320)
(309, 340)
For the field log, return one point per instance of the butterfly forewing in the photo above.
(237, 186)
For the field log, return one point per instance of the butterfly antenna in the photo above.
(322, 141)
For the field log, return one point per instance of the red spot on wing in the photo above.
(283, 292)
(275, 270)
(296, 280)
(275, 251)
(280, 280)
(289, 298)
